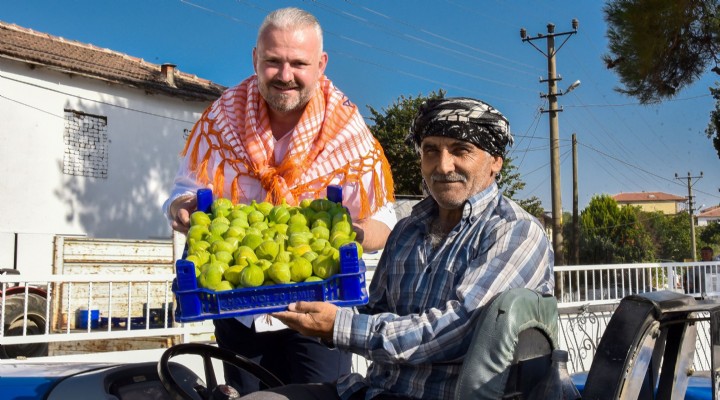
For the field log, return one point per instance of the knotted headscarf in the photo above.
(465, 119)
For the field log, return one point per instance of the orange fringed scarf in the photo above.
(330, 145)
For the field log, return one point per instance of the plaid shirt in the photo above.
(424, 302)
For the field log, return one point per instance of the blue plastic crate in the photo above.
(345, 289)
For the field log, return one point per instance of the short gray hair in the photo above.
(289, 18)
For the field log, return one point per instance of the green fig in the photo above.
(232, 274)
(219, 228)
(220, 203)
(321, 204)
(211, 273)
(195, 245)
(267, 250)
(305, 203)
(281, 228)
(264, 207)
(313, 278)
(224, 256)
(279, 272)
(221, 212)
(252, 240)
(297, 219)
(318, 245)
(321, 232)
(255, 216)
(237, 213)
(343, 225)
(322, 218)
(246, 208)
(222, 245)
(325, 265)
(300, 250)
(295, 228)
(310, 255)
(252, 276)
(234, 241)
(235, 231)
(203, 257)
(298, 238)
(194, 259)
(300, 269)
(199, 218)
(223, 286)
(279, 214)
(197, 232)
(239, 222)
(220, 220)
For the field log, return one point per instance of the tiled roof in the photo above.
(710, 212)
(646, 197)
(52, 52)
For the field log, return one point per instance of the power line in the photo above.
(87, 99)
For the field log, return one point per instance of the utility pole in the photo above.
(575, 251)
(553, 111)
(690, 184)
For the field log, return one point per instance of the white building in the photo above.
(90, 139)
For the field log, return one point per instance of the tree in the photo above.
(510, 183)
(659, 47)
(391, 126)
(670, 233)
(611, 234)
(710, 236)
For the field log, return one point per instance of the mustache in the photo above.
(284, 85)
(451, 177)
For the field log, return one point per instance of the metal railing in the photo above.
(90, 307)
(103, 307)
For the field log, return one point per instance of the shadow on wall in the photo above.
(142, 160)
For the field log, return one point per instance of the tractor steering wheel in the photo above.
(207, 352)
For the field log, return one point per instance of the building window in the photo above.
(86, 145)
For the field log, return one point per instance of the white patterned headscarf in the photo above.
(465, 119)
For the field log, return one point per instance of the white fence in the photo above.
(97, 307)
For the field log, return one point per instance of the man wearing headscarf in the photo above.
(459, 248)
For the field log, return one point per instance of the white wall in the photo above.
(145, 135)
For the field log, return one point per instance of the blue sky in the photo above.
(381, 50)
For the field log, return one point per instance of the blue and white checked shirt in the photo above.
(424, 303)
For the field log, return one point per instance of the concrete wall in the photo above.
(144, 134)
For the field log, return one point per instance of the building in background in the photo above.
(707, 215)
(90, 140)
(651, 201)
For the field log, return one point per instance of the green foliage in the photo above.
(709, 235)
(611, 234)
(658, 47)
(392, 124)
(713, 129)
(670, 233)
(510, 183)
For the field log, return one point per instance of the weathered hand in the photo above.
(313, 318)
(180, 210)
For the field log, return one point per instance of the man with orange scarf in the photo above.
(285, 134)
